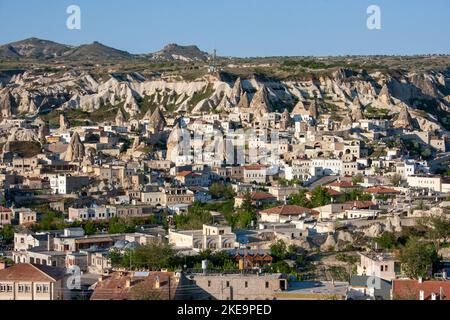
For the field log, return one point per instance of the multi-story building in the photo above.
(66, 184)
(211, 237)
(434, 183)
(381, 265)
(255, 173)
(237, 286)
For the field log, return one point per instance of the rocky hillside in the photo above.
(96, 51)
(37, 49)
(33, 48)
(421, 98)
(174, 52)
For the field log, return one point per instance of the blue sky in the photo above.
(237, 27)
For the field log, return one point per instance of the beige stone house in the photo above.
(33, 282)
(237, 286)
(211, 237)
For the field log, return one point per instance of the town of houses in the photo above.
(246, 202)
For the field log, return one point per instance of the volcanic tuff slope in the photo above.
(422, 99)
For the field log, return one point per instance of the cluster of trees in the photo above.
(50, 220)
(7, 234)
(418, 246)
(245, 217)
(196, 217)
(54, 220)
(154, 256)
(416, 149)
(158, 255)
(418, 258)
(222, 191)
(282, 253)
(321, 197)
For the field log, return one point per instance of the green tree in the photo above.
(196, 217)
(116, 259)
(232, 219)
(221, 190)
(247, 204)
(7, 234)
(357, 194)
(89, 228)
(300, 199)
(320, 197)
(50, 220)
(245, 219)
(279, 250)
(386, 241)
(120, 225)
(153, 256)
(417, 258)
(247, 213)
(437, 229)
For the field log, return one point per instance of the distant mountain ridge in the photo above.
(174, 51)
(38, 49)
(33, 48)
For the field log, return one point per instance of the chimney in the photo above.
(2, 265)
(421, 295)
(433, 296)
(157, 282)
(420, 280)
(49, 242)
(128, 283)
(177, 277)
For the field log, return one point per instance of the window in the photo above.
(382, 268)
(267, 284)
(386, 268)
(42, 288)
(246, 284)
(209, 283)
(228, 284)
(24, 288)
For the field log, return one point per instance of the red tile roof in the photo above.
(184, 173)
(342, 184)
(31, 272)
(290, 210)
(3, 209)
(381, 190)
(334, 193)
(259, 196)
(115, 287)
(410, 289)
(361, 204)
